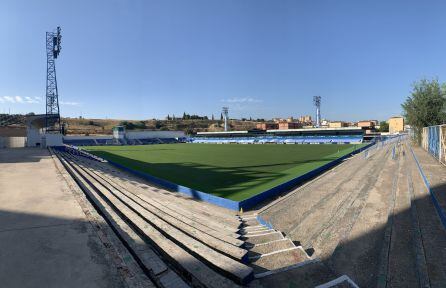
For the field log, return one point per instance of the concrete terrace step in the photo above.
(250, 222)
(271, 247)
(257, 232)
(253, 228)
(231, 238)
(224, 244)
(174, 218)
(181, 206)
(269, 251)
(279, 259)
(189, 208)
(258, 239)
(197, 218)
(148, 259)
(169, 240)
(211, 210)
(159, 218)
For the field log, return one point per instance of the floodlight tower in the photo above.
(52, 120)
(317, 103)
(225, 111)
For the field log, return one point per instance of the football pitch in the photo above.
(232, 171)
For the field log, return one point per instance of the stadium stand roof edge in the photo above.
(315, 129)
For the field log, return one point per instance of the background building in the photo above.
(366, 124)
(337, 124)
(305, 119)
(267, 126)
(396, 124)
(289, 125)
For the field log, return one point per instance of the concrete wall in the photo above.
(53, 140)
(12, 142)
(34, 137)
(153, 134)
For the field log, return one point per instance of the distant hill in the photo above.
(104, 126)
(12, 120)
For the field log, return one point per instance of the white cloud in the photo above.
(68, 103)
(20, 100)
(32, 100)
(242, 100)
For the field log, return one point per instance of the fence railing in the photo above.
(433, 140)
(380, 144)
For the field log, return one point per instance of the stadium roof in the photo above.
(316, 129)
(222, 132)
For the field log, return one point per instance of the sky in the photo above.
(143, 59)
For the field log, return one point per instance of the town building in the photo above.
(396, 124)
(267, 126)
(337, 124)
(289, 125)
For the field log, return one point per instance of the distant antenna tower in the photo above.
(317, 103)
(225, 111)
(52, 120)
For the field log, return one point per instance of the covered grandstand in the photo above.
(122, 137)
(347, 135)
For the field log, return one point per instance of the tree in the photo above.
(128, 125)
(221, 116)
(158, 124)
(212, 117)
(383, 126)
(426, 105)
(141, 125)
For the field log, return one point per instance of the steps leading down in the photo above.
(270, 251)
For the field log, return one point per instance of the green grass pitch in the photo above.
(232, 171)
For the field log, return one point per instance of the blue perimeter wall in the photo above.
(247, 203)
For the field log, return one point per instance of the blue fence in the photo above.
(434, 141)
